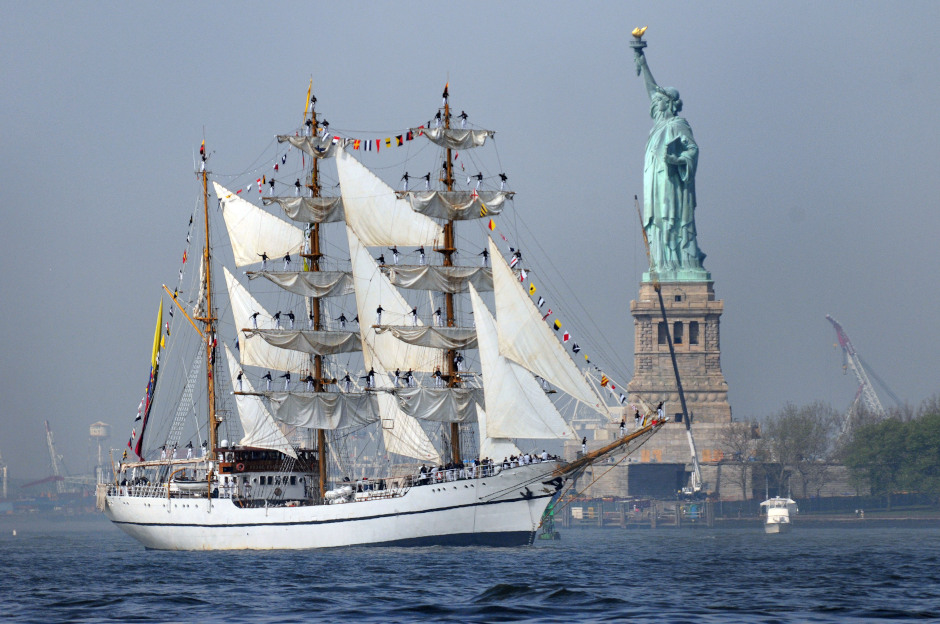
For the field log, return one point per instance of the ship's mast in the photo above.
(209, 320)
(313, 259)
(448, 251)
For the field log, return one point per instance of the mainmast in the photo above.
(313, 264)
(448, 250)
(210, 319)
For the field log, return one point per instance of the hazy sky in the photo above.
(817, 183)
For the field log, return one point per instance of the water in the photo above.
(88, 571)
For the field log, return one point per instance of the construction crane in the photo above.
(56, 458)
(865, 396)
(3, 477)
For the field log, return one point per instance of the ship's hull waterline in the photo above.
(502, 510)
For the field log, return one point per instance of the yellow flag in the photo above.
(156, 335)
(531, 289)
(307, 104)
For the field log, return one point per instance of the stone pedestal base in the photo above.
(693, 315)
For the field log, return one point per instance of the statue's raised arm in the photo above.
(643, 68)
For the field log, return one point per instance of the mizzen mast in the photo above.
(209, 319)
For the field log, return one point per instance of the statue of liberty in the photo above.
(669, 182)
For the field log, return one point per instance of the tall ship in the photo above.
(376, 367)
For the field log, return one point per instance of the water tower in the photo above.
(99, 433)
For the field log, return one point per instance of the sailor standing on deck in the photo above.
(189, 450)
(623, 426)
(267, 380)
(378, 315)
(290, 317)
(239, 379)
(395, 254)
(404, 181)
(584, 446)
(347, 383)
(309, 381)
(277, 320)
(286, 261)
(254, 320)
(264, 260)
(286, 378)
(486, 255)
(636, 418)
(342, 321)
(660, 413)
(421, 256)
(414, 316)
(437, 318)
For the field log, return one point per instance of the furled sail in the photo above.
(260, 429)
(309, 283)
(253, 349)
(401, 433)
(322, 146)
(456, 138)
(310, 209)
(324, 410)
(526, 339)
(516, 405)
(458, 205)
(447, 279)
(440, 404)
(378, 217)
(372, 290)
(494, 448)
(253, 231)
(436, 337)
(317, 342)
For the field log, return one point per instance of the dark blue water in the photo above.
(88, 571)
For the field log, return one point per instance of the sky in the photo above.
(817, 190)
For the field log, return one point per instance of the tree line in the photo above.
(899, 452)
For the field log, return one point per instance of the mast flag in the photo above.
(152, 382)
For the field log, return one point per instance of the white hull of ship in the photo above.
(502, 510)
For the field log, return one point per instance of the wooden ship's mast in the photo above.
(209, 320)
(313, 264)
(448, 250)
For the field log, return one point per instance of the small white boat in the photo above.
(776, 512)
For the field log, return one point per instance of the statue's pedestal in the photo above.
(693, 314)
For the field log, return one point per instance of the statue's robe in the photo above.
(669, 195)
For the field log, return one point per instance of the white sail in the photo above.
(458, 205)
(516, 405)
(456, 138)
(378, 217)
(316, 342)
(437, 337)
(372, 290)
(253, 349)
(526, 339)
(440, 404)
(309, 283)
(253, 231)
(324, 410)
(494, 448)
(310, 209)
(446, 279)
(260, 429)
(322, 146)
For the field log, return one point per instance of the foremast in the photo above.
(448, 250)
(313, 264)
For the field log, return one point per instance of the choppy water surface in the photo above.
(88, 571)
